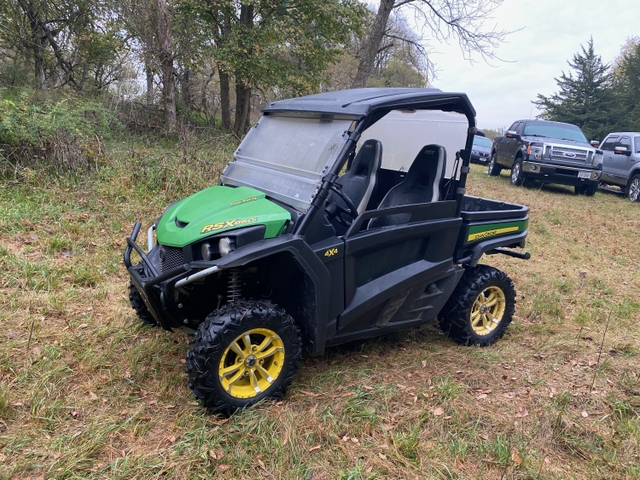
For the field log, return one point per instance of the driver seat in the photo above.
(421, 185)
(359, 181)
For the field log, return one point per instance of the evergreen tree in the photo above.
(586, 99)
(627, 83)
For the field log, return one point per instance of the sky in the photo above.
(549, 33)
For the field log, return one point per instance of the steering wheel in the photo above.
(336, 211)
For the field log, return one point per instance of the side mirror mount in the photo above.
(622, 151)
(512, 134)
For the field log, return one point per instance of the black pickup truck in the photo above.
(551, 152)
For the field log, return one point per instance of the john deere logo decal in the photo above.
(244, 200)
(227, 224)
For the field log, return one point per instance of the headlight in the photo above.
(224, 246)
(535, 152)
(206, 251)
(597, 158)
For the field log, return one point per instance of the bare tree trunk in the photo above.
(38, 41)
(166, 63)
(225, 100)
(372, 44)
(148, 70)
(243, 109)
(185, 85)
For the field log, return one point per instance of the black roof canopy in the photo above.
(376, 102)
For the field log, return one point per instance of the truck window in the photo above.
(514, 126)
(637, 143)
(520, 128)
(609, 142)
(624, 142)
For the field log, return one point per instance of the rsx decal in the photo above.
(228, 224)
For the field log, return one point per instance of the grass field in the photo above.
(88, 392)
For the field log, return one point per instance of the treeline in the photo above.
(223, 59)
(596, 96)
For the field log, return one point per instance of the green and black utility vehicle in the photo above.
(318, 234)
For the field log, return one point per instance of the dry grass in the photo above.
(87, 392)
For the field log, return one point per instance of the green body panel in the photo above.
(476, 233)
(219, 209)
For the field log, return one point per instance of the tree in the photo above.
(586, 99)
(464, 20)
(66, 42)
(262, 44)
(627, 83)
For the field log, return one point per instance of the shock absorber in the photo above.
(234, 283)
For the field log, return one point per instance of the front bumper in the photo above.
(155, 288)
(562, 174)
(480, 157)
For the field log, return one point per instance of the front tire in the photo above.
(241, 354)
(517, 177)
(136, 302)
(480, 308)
(493, 170)
(633, 190)
(589, 190)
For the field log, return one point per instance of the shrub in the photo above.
(62, 134)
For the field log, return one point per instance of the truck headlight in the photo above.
(535, 152)
(597, 158)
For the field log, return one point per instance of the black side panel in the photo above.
(412, 306)
(383, 262)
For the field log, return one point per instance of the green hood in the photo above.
(219, 209)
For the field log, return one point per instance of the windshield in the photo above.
(286, 156)
(482, 141)
(563, 132)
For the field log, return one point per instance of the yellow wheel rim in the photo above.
(251, 363)
(488, 310)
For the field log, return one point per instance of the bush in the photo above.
(63, 134)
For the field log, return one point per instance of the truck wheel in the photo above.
(588, 190)
(493, 170)
(241, 354)
(480, 308)
(633, 190)
(138, 305)
(517, 176)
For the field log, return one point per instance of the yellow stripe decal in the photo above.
(491, 233)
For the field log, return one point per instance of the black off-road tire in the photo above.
(493, 170)
(140, 308)
(589, 189)
(468, 316)
(214, 359)
(517, 177)
(633, 189)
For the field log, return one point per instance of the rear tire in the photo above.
(517, 177)
(241, 354)
(633, 190)
(480, 308)
(493, 170)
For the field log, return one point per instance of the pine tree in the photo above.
(627, 82)
(586, 99)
